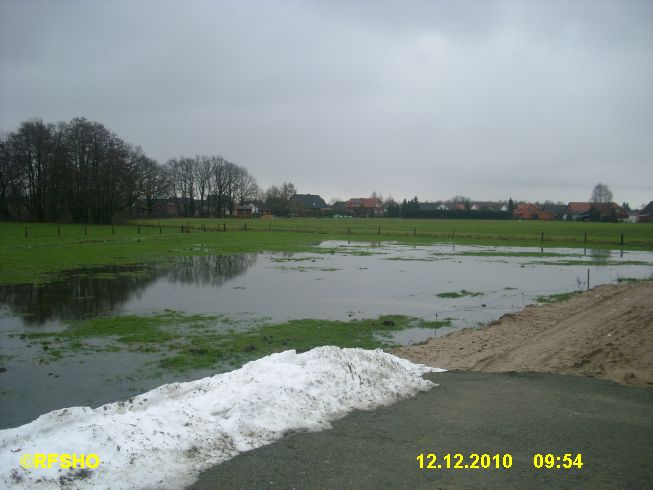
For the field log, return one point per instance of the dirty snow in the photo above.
(165, 437)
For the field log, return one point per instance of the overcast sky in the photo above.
(532, 100)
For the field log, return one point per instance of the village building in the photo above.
(308, 204)
(646, 214)
(531, 211)
(365, 206)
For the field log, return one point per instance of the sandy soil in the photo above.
(606, 332)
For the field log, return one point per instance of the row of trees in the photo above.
(209, 185)
(81, 171)
(77, 170)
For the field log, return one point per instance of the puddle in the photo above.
(338, 281)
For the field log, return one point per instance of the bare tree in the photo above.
(601, 193)
(278, 199)
(246, 185)
(218, 185)
(155, 183)
(202, 169)
(183, 183)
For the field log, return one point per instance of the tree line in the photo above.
(77, 170)
(81, 171)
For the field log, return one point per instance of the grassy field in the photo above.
(35, 252)
(183, 342)
(494, 232)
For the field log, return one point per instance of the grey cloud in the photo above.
(483, 98)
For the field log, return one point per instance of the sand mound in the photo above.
(606, 332)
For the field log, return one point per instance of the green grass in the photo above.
(43, 253)
(592, 263)
(498, 253)
(184, 342)
(631, 279)
(459, 294)
(553, 298)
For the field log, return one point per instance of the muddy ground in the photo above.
(606, 332)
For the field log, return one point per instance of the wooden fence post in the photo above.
(588, 279)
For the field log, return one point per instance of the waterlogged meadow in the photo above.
(99, 334)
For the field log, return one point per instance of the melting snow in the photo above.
(164, 438)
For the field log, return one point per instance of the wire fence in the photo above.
(365, 231)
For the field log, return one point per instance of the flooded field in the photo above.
(225, 295)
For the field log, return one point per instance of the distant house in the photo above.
(646, 214)
(609, 211)
(451, 206)
(157, 208)
(246, 211)
(590, 211)
(430, 206)
(578, 211)
(488, 206)
(365, 206)
(558, 210)
(531, 211)
(305, 204)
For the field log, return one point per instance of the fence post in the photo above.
(585, 237)
(182, 229)
(542, 237)
(160, 229)
(58, 230)
(26, 232)
(378, 232)
(112, 230)
(139, 229)
(224, 226)
(588, 279)
(245, 226)
(622, 239)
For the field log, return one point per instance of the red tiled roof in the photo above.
(579, 207)
(365, 202)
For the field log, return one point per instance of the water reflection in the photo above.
(89, 292)
(209, 270)
(599, 255)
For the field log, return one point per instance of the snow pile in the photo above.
(164, 438)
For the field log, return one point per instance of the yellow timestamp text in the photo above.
(458, 461)
(558, 461)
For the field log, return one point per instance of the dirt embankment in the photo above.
(606, 332)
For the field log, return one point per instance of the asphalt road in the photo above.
(520, 414)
